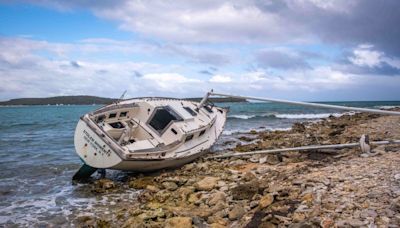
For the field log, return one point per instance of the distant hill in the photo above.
(86, 100)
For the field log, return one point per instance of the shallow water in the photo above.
(38, 157)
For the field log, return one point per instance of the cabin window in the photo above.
(112, 115)
(190, 111)
(206, 107)
(188, 138)
(202, 132)
(174, 131)
(123, 114)
(117, 125)
(162, 117)
(100, 118)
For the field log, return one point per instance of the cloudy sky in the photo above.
(315, 50)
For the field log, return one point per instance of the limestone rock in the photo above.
(266, 201)
(169, 185)
(206, 184)
(236, 212)
(245, 191)
(178, 222)
(217, 197)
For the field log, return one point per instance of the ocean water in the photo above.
(38, 157)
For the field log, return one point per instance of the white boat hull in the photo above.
(96, 149)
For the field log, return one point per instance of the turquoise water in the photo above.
(38, 157)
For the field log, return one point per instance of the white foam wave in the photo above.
(232, 132)
(386, 106)
(244, 117)
(308, 116)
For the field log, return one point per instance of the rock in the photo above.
(162, 196)
(327, 223)
(249, 176)
(273, 159)
(236, 212)
(105, 184)
(301, 225)
(298, 127)
(254, 159)
(188, 167)
(308, 197)
(194, 197)
(217, 197)
(266, 201)
(263, 160)
(171, 186)
(206, 184)
(368, 213)
(159, 213)
(184, 192)
(152, 188)
(354, 222)
(132, 222)
(245, 191)
(237, 162)
(141, 183)
(178, 222)
(298, 217)
(217, 225)
(395, 205)
(397, 176)
(220, 206)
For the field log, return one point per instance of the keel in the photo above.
(83, 173)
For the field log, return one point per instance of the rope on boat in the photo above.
(363, 144)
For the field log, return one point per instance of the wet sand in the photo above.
(343, 188)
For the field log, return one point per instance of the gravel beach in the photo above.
(328, 188)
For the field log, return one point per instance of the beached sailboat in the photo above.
(146, 134)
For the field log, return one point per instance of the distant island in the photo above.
(89, 100)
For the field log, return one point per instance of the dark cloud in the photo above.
(205, 72)
(75, 64)
(367, 21)
(280, 60)
(137, 74)
(382, 69)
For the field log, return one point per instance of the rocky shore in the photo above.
(327, 188)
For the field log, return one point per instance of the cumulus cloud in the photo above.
(365, 59)
(220, 79)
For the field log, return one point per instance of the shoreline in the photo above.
(336, 188)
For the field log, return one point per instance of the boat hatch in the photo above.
(162, 117)
(190, 111)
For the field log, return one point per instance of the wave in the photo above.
(387, 106)
(308, 116)
(234, 132)
(287, 116)
(246, 117)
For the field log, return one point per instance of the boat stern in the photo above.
(92, 148)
